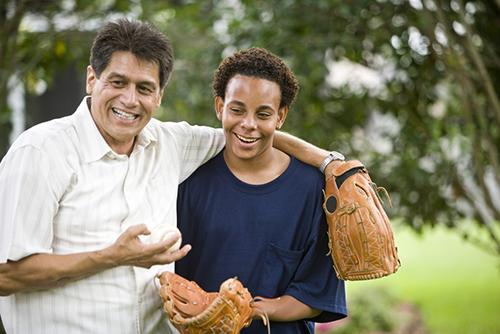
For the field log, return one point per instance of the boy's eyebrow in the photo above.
(261, 107)
(237, 102)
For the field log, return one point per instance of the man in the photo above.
(254, 212)
(80, 195)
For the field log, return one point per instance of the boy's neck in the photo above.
(259, 170)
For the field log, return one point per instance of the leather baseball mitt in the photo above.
(192, 310)
(360, 236)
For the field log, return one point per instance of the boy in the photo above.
(255, 212)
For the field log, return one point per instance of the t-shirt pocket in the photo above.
(280, 266)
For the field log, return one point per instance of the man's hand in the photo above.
(43, 271)
(128, 249)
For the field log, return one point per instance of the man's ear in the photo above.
(281, 116)
(91, 79)
(160, 97)
(219, 107)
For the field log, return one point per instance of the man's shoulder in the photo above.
(206, 172)
(181, 129)
(47, 135)
(170, 127)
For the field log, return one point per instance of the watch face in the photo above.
(337, 156)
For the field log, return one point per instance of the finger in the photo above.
(167, 257)
(136, 230)
(180, 253)
(260, 299)
(170, 239)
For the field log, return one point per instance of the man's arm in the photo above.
(284, 308)
(299, 148)
(302, 150)
(42, 271)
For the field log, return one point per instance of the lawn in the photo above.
(456, 285)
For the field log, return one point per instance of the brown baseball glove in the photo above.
(192, 310)
(360, 236)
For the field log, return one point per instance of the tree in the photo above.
(38, 37)
(419, 104)
(428, 127)
(431, 132)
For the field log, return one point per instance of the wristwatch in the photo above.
(333, 155)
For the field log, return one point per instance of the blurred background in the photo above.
(409, 87)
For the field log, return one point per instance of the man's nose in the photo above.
(130, 96)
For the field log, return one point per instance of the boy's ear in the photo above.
(281, 117)
(219, 107)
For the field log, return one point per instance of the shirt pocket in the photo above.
(279, 269)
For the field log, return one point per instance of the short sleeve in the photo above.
(315, 282)
(28, 204)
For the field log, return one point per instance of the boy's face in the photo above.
(250, 114)
(124, 98)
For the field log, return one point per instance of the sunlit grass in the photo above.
(456, 285)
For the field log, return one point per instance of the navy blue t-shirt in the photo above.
(272, 237)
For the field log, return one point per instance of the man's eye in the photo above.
(264, 115)
(145, 90)
(236, 110)
(117, 83)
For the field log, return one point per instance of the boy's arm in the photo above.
(285, 308)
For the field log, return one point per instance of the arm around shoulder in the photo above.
(299, 148)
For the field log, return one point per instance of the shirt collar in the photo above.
(146, 136)
(93, 145)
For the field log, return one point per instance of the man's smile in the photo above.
(123, 114)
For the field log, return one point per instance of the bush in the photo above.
(377, 310)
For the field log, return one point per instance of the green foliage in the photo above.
(372, 310)
(427, 124)
(454, 284)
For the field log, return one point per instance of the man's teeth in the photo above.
(123, 114)
(246, 140)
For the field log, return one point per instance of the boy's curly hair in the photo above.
(260, 63)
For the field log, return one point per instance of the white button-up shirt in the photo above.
(63, 190)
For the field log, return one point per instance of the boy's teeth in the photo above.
(246, 140)
(124, 114)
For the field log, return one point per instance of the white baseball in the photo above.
(160, 233)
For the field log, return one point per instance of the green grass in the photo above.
(455, 284)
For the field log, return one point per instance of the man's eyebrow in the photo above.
(117, 75)
(126, 78)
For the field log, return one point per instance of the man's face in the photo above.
(250, 114)
(124, 98)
